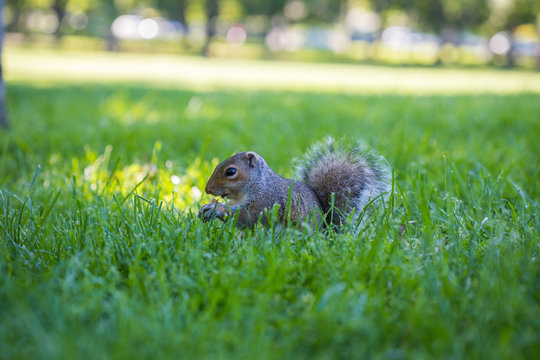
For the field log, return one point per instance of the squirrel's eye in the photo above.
(230, 172)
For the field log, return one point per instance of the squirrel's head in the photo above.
(232, 177)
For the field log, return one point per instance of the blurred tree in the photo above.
(465, 14)
(106, 11)
(212, 11)
(522, 12)
(437, 15)
(263, 7)
(381, 6)
(3, 119)
(327, 11)
(430, 13)
(59, 8)
(176, 9)
(17, 7)
(509, 17)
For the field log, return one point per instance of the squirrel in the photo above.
(333, 181)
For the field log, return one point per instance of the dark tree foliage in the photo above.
(437, 15)
(522, 12)
(263, 7)
(17, 8)
(175, 9)
(327, 11)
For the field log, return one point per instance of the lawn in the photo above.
(102, 255)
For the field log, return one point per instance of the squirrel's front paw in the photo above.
(210, 211)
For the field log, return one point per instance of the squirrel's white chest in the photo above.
(236, 200)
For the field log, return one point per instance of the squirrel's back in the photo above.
(345, 179)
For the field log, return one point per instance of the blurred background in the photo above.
(402, 32)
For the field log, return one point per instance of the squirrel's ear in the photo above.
(251, 159)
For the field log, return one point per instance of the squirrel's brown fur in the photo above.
(335, 182)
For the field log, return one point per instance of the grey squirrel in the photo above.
(333, 181)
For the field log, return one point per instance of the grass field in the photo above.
(102, 256)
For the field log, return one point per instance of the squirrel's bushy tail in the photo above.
(354, 174)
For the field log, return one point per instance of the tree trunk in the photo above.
(59, 7)
(212, 12)
(181, 12)
(3, 119)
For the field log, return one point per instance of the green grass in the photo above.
(102, 256)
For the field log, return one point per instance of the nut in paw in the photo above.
(212, 210)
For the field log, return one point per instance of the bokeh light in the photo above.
(126, 27)
(45, 22)
(295, 10)
(284, 39)
(148, 28)
(500, 43)
(237, 34)
(78, 21)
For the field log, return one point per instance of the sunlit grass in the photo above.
(45, 66)
(102, 256)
